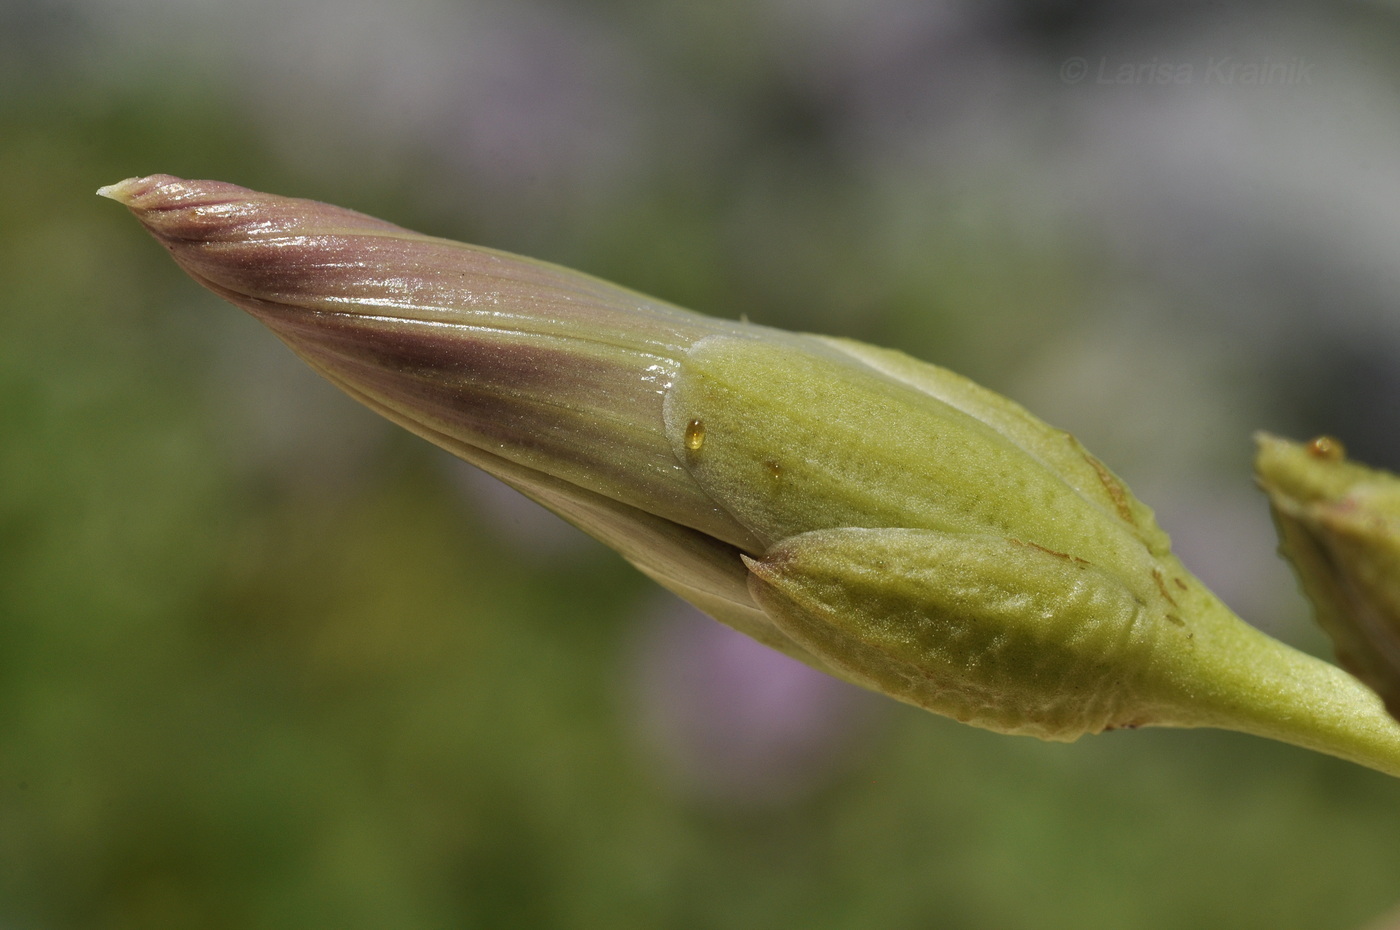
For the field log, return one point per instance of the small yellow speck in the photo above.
(775, 470)
(1326, 447)
(694, 435)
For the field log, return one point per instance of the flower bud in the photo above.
(877, 517)
(1339, 525)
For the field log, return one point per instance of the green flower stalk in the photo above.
(1339, 524)
(876, 517)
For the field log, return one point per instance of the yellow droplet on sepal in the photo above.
(695, 436)
(1327, 448)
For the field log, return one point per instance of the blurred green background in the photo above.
(268, 662)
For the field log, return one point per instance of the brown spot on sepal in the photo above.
(1162, 586)
(1059, 555)
(1128, 725)
(1116, 492)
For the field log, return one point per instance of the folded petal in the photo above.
(538, 365)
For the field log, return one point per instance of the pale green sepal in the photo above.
(1055, 448)
(987, 630)
(797, 441)
(1011, 637)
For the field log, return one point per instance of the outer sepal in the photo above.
(988, 630)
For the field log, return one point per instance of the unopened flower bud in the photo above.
(1339, 525)
(875, 516)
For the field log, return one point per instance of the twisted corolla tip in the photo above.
(122, 191)
(179, 211)
(133, 192)
(164, 191)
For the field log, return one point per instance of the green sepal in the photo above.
(988, 630)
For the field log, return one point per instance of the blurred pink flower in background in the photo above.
(733, 721)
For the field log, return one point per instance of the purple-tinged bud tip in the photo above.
(493, 356)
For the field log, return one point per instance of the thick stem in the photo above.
(1237, 678)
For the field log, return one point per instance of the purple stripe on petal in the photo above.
(536, 364)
